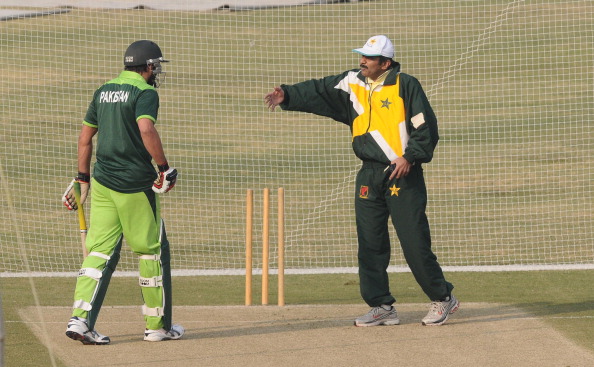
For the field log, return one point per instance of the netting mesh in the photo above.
(511, 83)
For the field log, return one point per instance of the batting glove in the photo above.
(68, 197)
(165, 180)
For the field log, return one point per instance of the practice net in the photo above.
(511, 82)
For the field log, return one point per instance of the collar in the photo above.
(131, 75)
(380, 78)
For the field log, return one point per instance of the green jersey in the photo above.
(123, 163)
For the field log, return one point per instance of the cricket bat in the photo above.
(82, 222)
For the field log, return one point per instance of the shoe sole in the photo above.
(379, 323)
(175, 333)
(165, 338)
(447, 316)
(161, 340)
(81, 338)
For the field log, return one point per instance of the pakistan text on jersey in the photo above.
(114, 96)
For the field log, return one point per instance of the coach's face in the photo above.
(372, 68)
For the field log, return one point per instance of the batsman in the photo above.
(125, 201)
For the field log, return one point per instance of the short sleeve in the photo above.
(147, 105)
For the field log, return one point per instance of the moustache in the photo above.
(363, 66)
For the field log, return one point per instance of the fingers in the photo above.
(269, 104)
(401, 168)
(69, 201)
(165, 181)
(274, 98)
(400, 171)
(68, 197)
(269, 100)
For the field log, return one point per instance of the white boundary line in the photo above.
(344, 270)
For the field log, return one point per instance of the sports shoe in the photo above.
(79, 330)
(174, 333)
(379, 316)
(440, 311)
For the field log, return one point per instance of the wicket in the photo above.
(249, 222)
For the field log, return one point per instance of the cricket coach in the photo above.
(394, 132)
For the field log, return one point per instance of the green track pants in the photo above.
(405, 200)
(136, 218)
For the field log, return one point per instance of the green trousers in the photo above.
(136, 218)
(404, 200)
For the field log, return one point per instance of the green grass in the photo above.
(562, 299)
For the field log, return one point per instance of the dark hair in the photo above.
(383, 59)
(138, 68)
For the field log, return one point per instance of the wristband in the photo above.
(84, 177)
(163, 167)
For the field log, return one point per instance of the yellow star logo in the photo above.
(394, 190)
(372, 41)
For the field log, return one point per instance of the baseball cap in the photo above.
(377, 46)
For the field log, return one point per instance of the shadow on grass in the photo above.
(543, 309)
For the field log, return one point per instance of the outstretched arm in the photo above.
(327, 97)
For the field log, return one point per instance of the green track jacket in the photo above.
(394, 120)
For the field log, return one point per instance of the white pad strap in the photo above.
(98, 254)
(155, 257)
(91, 273)
(86, 306)
(151, 282)
(152, 311)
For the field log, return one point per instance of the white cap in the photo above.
(377, 46)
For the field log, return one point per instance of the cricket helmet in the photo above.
(143, 52)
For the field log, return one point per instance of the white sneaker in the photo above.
(174, 333)
(381, 315)
(79, 330)
(440, 311)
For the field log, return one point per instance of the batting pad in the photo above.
(102, 277)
